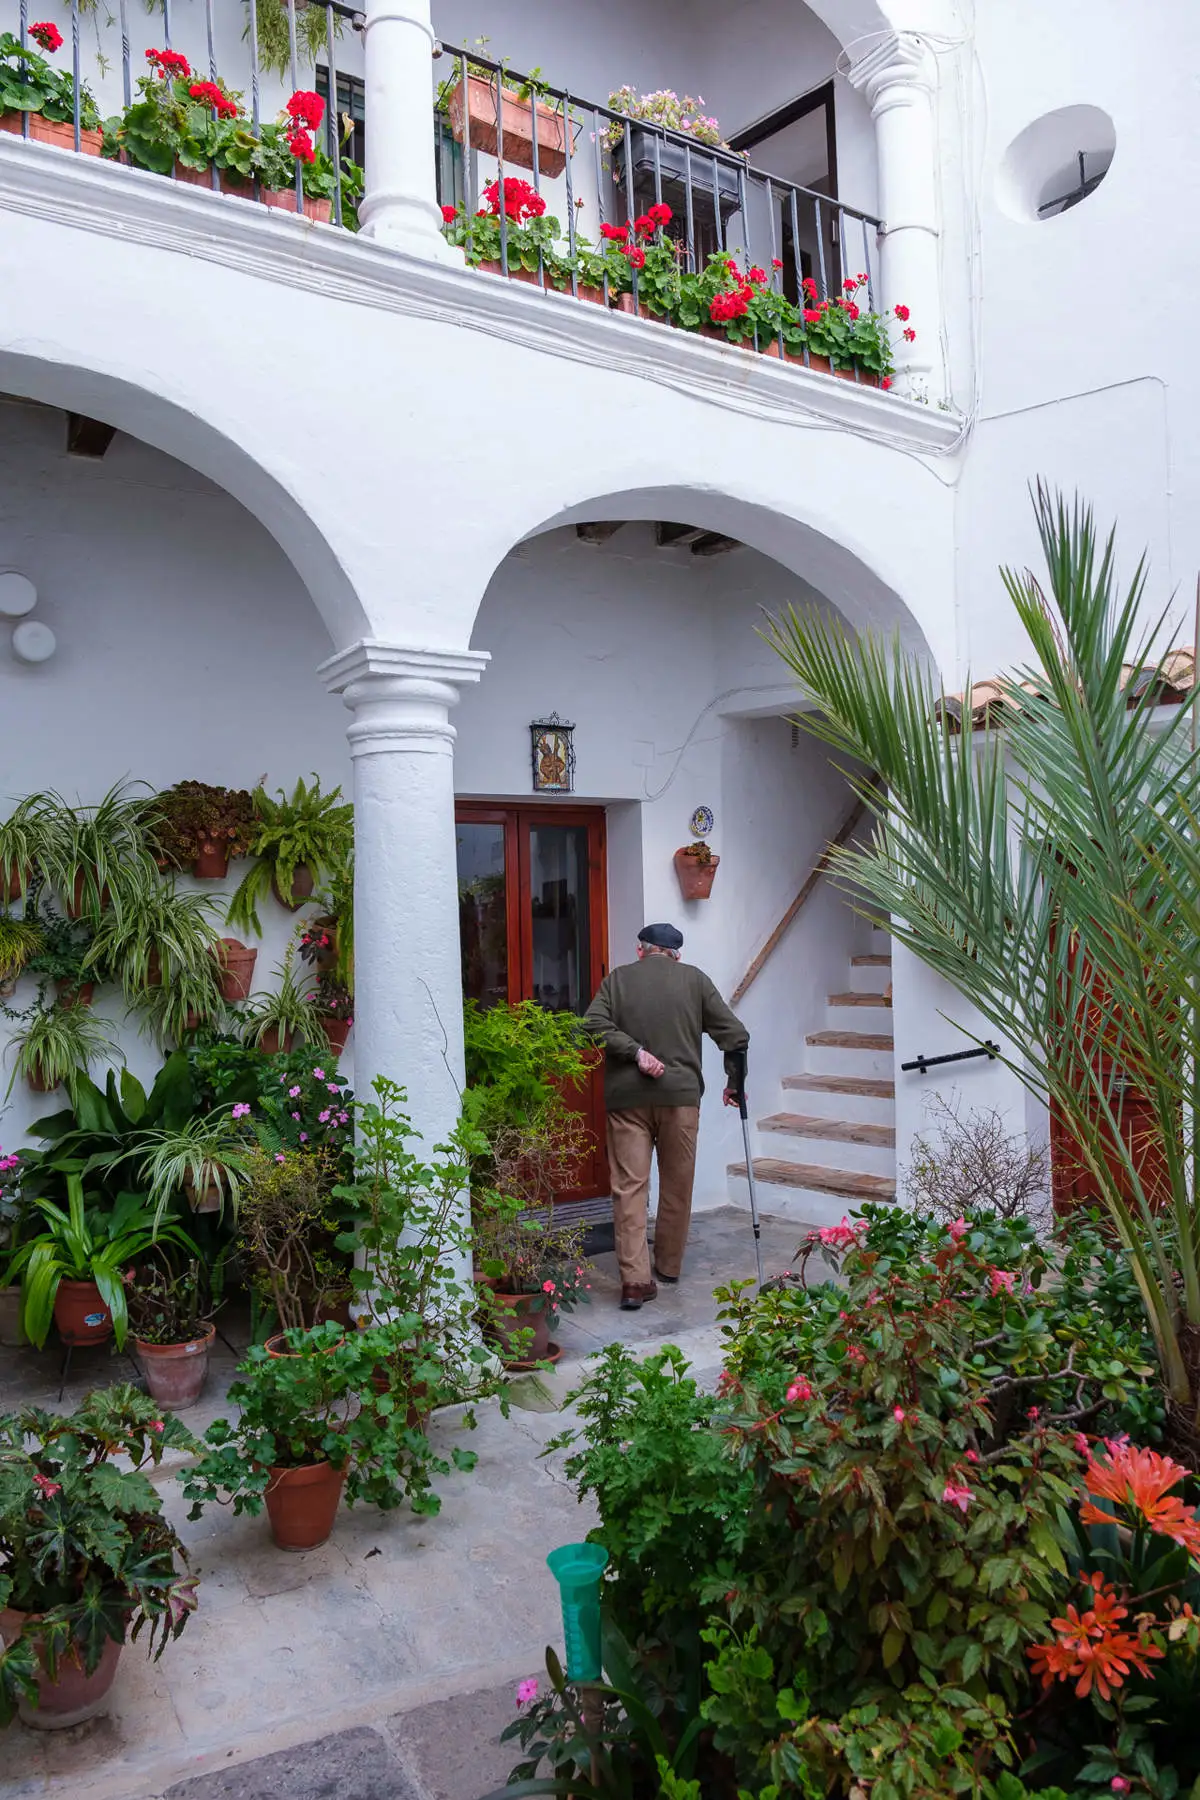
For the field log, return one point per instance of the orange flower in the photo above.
(1141, 1479)
(1089, 1650)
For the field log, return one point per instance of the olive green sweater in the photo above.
(665, 1007)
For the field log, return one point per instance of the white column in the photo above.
(399, 206)
(899, 78)
(407, 968)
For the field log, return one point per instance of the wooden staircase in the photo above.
(836, 1131)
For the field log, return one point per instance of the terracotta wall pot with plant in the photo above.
(75, 993)
(696, 868)
(236, 961)
(521, 117)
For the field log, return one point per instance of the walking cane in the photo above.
(740, 1091)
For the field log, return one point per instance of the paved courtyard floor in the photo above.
(383, 1665)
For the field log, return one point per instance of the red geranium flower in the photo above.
(306, 108)
(812, 316)
(636, 255)
(776, 262)
(910, 334)
(615, 234)
(661, 214)
(902, 312)
(170, 63)
(886, 382)
(211, 95)
(521, 201)
(757, 276)
(644, 225)
(449, 214)
(301, 145)
(46, 35)
(809, 286)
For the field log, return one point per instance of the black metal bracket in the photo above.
(923, 1063)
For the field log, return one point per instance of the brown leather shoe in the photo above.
(634, 1297)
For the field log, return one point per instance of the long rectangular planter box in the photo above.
(517, 120)
(673, 161)
(52, 131)
(283, 199)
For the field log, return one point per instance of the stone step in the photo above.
(850, 1097)
(804, 1191)
(858, 1013)
(870, 974)
(856, 998)
(867, 1149)
(871, 961)
(834, 1052)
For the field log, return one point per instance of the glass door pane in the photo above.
(483, 911)
(560, 976)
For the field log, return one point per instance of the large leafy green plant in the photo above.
(307, 829)
(28, 83)
(84, 1547)
(105, 1130)
(85, 1243)
(518, 1058)
(321, 1403)
(1051, 872)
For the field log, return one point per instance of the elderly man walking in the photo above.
(651, 1017)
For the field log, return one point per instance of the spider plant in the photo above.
(308, 831)
(96, 856)
(159, 937)
(86, 1243)
(22, 839)
(20, 939)
(1051, 873)
(290, 1011)
(174, 1009)
(57, 1045)
(208, 1152)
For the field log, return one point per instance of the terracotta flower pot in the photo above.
(80, 1314)
(695, 877)
(212, 863)
(302, 1504)
(12, 1335)
(75, 993)
(519, 120)
(73, 1697)
(73, 904)
(18, 881)
(284, 200)
(642, 311)
(336, 1032)
(269, 1042)
(207, 1200)
(519, 1319)
(39, 1082)
(53, 131)
(176, 1373)
(864, 377)
(236, 961)
(303, 884)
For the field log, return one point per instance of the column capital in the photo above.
(400, 694)
(900, 61)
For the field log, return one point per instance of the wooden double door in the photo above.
(532, 888)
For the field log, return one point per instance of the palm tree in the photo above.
(1051, 872)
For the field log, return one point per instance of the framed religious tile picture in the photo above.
(553, 755)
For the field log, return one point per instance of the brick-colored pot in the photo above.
(695, 878)
(53, 131)
(236, 962)
(302, 1504)
(212, 863)
(176, 1373)
(73, 1697)
(336, 1032)
(80, 1314)
(518, 122)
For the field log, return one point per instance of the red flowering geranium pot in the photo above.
(472, 110)
(38, 100)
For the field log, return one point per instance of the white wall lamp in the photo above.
(32, 641)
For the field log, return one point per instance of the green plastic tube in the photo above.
(577, 1568)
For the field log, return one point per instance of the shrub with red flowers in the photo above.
(28, 83)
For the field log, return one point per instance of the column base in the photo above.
(402, 223)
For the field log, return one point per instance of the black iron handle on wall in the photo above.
(924, 1063)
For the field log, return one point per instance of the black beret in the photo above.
(662, 937)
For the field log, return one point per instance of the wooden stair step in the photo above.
(871, 962)
(845, 1182)
(842, 1131)
(841, 1084)
(851, 1040)
(858, 999)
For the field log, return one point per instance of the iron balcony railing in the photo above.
(609, 168)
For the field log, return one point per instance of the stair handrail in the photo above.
(844, 832)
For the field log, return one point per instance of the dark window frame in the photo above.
(783, 116)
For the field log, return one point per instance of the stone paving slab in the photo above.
(395, 1613)
(350, 1765)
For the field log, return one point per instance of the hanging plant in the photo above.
(299, 840)
(274, 37)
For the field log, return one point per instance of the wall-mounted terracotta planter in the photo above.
(301, 889)
(176, 1373)
(236, 961)
(269, 1042)
(212, 864)
(695, 877)
(336, 1032)
(53, 131)
(206, 1199)
(37, 1081)
(80, 1314)
(18, 881)
(302, 1504)
(517, 122)
(75, 993)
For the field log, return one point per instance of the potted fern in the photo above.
(299, 840)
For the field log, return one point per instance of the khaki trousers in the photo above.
(632, 1138)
